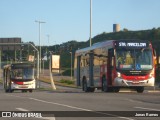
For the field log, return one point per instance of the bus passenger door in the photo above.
(91, 57)
(110, 65)
(78, 71)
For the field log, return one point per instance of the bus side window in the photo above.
(81, 63)
(100, 62)
(105, 61)
(87, 62)
(96, 61)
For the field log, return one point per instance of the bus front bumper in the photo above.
(122, 82)
(26, 85)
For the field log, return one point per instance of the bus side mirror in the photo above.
(155, 58)
(154, 52)
(155, 61)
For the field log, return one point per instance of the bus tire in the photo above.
(30, 91)
(6, 90)
(10, 90)
(91, 89)
(85, 87)
(140, 89)
(104, 85)
(23, 91)
(116, 89)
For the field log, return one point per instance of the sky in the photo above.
(68, 20)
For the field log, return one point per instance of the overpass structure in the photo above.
(16, 44)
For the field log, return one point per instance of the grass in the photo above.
(62, 82)
(0, 80)
(68, 82)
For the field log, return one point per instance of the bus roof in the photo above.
(19, 65)
(97, 45)
(130, 42)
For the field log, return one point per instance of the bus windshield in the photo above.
(134, 59)
(26, 73)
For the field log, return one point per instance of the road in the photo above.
(72, 99)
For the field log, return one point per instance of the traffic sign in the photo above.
(10, 47)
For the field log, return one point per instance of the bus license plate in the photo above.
(135, 83)
(24, 86)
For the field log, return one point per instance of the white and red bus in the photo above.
(19, 76)
(115, 64)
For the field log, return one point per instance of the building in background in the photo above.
(116, 27)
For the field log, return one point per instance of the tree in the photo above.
(125, 29)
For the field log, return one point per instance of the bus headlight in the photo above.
(151, 75)
(118, 74)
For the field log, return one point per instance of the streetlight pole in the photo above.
(21, 55)
(71, 65)
(90, 22)
(55, 47)
(39, 22)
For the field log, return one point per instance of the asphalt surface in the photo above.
(83, 106)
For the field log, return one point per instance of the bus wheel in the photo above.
(116, 89)
(85, 88)
(30, 91)
(24, 91)
(10, 90)
(6, 90)
(140, 89)
(104, 85)
(91, 89)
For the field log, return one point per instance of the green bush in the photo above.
(69, 82)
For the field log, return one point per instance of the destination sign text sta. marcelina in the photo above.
(131, 44)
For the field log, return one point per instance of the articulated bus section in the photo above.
(115, 64)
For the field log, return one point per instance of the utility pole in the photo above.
(90, 23)
(71, 65)
(40, 22)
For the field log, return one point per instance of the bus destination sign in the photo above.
(131, 44)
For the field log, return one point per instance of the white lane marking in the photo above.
(15, 96)
(72, 107)
(147, 108)
(78, 108)
(60, 104)
(21, 109)
(45, 118)
(131, 100)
